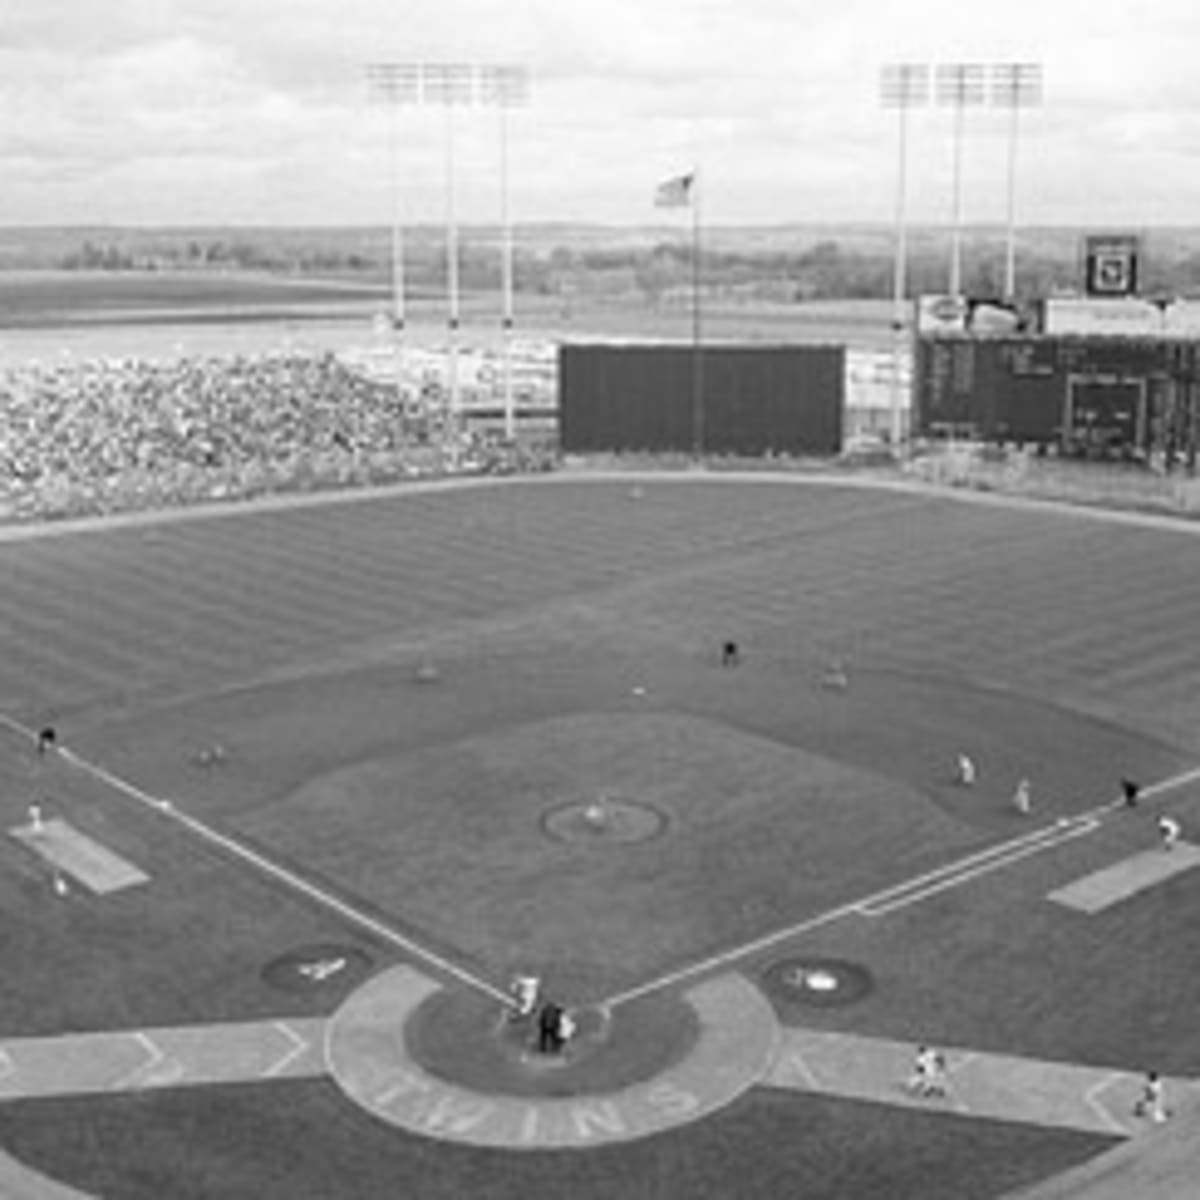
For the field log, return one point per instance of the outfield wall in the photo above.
(754, 399)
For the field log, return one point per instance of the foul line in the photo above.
(909, 892)
(880, 906)
(296, 882)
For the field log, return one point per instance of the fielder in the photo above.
(1169, 830)
(965, 771)
(835, 677)
(1023, 798)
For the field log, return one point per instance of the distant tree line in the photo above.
(825, 269)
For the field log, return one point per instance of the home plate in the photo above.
(68, 850)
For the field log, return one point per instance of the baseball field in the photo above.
(326, 776)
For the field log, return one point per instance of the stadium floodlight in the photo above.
(903, 85)
(450, 84)
(396, 85)
(1014, 85)
(960, 86)
(506, 87)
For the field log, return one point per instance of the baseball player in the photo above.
(1169, 830)
(1153, 1101)
(965, 771)
(1023, 798)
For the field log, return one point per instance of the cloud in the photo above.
(777, 98)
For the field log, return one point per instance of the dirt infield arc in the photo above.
(363, 1046)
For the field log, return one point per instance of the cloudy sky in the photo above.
(256, 111)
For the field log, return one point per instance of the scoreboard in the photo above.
(1069, 390)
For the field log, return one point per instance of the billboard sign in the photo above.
(1181, 318)
(1111, 264)
(941, 314)
(1113, 317)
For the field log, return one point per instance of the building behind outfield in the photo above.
(749, 400)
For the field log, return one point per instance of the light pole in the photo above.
(959, 85)
(506, 87)
(450, 85)
(903, 86)
(1014, 86)
(396, 85)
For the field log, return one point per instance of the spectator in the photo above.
(111, 434)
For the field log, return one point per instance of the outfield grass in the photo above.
(1053, 646)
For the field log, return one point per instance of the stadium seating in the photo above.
(105, 435)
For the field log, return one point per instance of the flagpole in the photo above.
(697, 350)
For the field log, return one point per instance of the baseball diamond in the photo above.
(752, 896)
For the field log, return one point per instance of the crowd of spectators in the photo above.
(80, 437)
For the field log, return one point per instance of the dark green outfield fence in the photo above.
(751, 400)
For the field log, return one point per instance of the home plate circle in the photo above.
(378, 1053)
(823, 983)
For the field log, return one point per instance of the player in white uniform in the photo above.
(835, 677)
(928, 1075)
(1153, 1101)
(1023, 798)
(1169, 830)
(965, 771)
(526, 991)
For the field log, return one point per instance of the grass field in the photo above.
(1054, 646)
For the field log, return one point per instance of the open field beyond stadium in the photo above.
(575, 631)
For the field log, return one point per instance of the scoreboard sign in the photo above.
(1111, 265)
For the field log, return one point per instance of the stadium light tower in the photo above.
(506, 87)
(903, 85)
(450, 85)
(960, 85)
(396, 85)
(1014, 86)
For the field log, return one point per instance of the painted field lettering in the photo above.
(604, 1116)
(671, 1099)
(404, 1083)
(458, 1114)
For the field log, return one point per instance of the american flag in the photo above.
(675, 193)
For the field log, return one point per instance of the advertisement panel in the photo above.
(1114, 316)
(1181, 318)
(941, 315)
